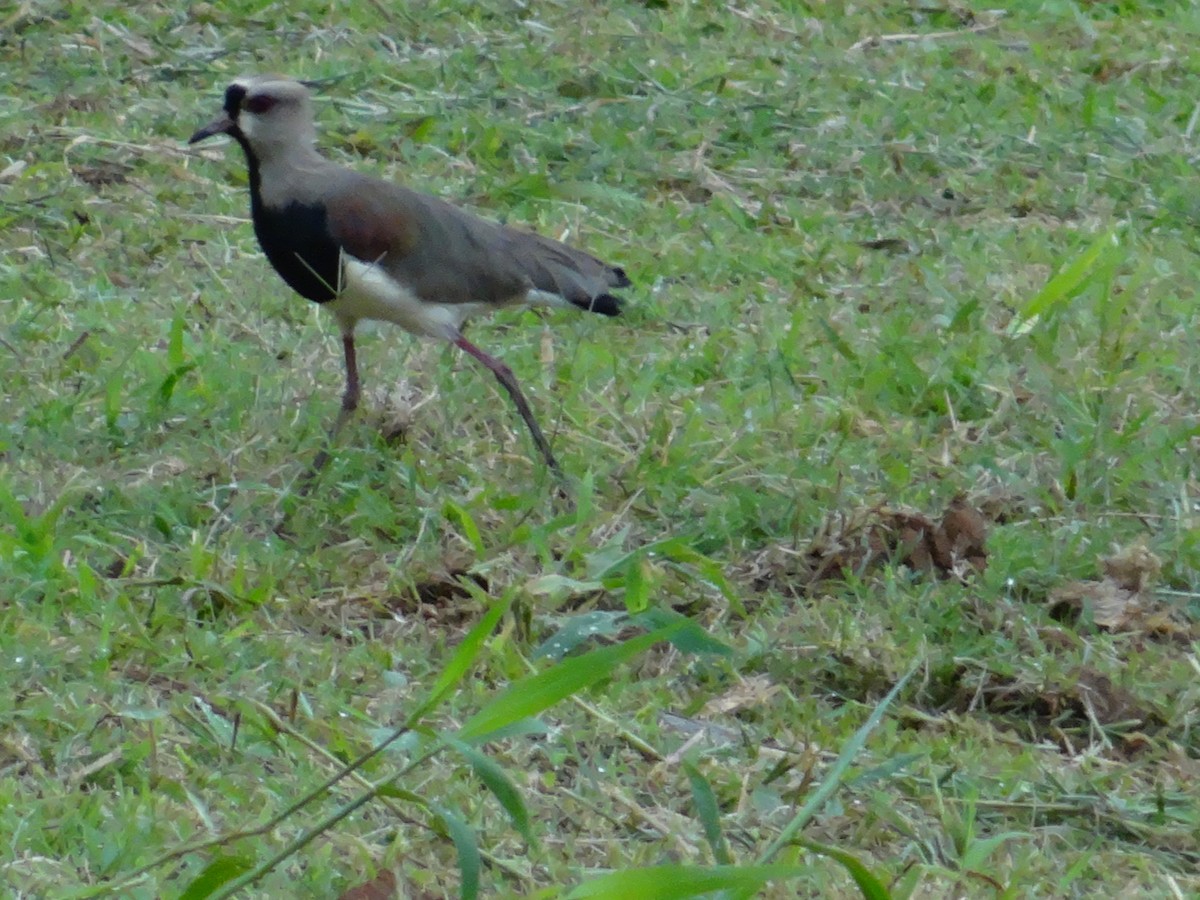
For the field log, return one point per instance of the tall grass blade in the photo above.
(834, 778)
(216, 874)
(708, 812)
(675, 882)
(501, 786)
(1069, 282)
(463, 659)
(467, 849)
(869, 884)
(531, 695)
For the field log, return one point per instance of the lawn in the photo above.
(878, 559)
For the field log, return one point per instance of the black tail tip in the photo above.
(622, 280)
(605, 304)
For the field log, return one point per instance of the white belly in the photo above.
(367, 292)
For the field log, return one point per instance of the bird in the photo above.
(366, 248)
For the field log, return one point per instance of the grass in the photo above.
(873, 269)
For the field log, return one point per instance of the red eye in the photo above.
(258, 104)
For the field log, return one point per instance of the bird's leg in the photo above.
(505, 376)
(353, 389)
(350, 399)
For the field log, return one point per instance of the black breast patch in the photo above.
(296, 240)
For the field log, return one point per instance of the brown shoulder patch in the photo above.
(370, 224)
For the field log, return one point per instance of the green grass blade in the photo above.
(212, 877)
(678, 551)
(674, 882)
(838, 342)
(176, 357)
(833, 779)
(326, 824)
(709, 813)
(466, 847)
(14, 513)
(501, 786)
(463, 659)
(453, 512)
(579, 629)
(869, 884)
(683, 554)
(531, 695)
(1068, 282)
(978, 851)
(691, 637)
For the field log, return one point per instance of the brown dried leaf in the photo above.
(688, 187)
(891, 245)
(915, 544)
(102, 173)
(397, 407)
(699, 729)
(947, 547)
(381, 887)
(963, 534)
(752, 691)
(870, 537)
(64, 103)
(1059, 706)
(1113, 607)
(1134, 567)
(1121, 600)
(440, 590)
(1105, 701)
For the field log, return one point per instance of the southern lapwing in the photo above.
(368, 249)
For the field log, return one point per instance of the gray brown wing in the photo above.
(556, 268)
(447, 255)
(438, 252)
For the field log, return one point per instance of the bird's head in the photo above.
(268, 115)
